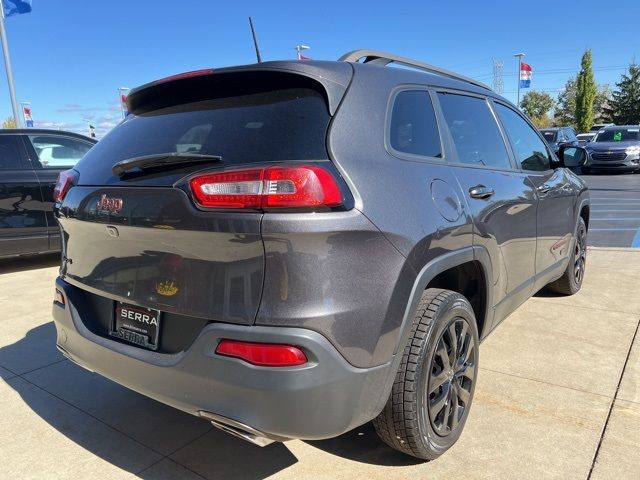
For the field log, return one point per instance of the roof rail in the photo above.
(375, 57)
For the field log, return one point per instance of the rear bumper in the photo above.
(321, 399)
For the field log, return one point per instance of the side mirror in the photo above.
(572, 156)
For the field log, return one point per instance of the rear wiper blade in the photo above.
(161, 159)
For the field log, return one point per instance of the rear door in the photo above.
(500, 197)
(49, 154)
(23, 226)
(140, 238)
(556, 197)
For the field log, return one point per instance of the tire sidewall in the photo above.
(455, 307)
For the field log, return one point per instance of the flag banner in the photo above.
(123, 102)
(302, 57)
(15, 7)
(92, 131)
(28, 119)
(525, 75)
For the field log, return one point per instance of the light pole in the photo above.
(299, 48)
(121, 91)
(519, 55)
(7, 65)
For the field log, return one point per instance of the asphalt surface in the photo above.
(615, 210)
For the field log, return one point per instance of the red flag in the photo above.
(302, 57)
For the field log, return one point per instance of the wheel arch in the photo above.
(446, 271)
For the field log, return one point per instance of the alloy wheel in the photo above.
(580, 255)
(451, 376)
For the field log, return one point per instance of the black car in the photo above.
(30, 161)
(615, 147)
(292, 249)
(558, 136)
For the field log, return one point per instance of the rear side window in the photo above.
(474, 131)
(58, 152)
(280, 124)
(9, 153)
(413, 127)
(529, 148)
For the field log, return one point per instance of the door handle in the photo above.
(544, 188)
(480, 191)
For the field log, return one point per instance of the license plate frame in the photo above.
(136, 325)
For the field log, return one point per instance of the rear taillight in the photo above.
(262, 354)
(66, 180)
(304, 186)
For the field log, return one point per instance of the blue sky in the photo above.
(70, 56)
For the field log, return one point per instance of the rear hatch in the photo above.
(139, 236)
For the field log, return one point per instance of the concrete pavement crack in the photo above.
(613, 401)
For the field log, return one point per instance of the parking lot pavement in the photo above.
(615, 210)
(558, 396)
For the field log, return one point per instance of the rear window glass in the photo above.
(413, 126)
(474, 131)
(286, 124)
(618, 135)
(549, 135)
(58, 152)
(9, 153)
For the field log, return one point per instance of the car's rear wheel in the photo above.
(571, 280)
(433, 389)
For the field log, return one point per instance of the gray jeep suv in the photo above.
(291, 249)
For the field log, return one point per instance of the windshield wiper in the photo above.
(161, 159)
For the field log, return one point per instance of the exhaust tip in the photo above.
(237, 429)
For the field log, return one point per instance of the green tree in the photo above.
(9, 122)
(586, 91)
(601, 104)
(565, 113)
(624, 106)
(537, 105)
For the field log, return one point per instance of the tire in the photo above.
(405, 423)
(571, 280)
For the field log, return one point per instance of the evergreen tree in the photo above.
(624, 107)
(585, 94)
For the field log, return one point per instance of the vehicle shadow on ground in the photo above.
(21, 264)
(363, 445)
(546, 293)
(121, 426)
(83, 406)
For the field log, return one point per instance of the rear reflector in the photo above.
(272, 187)
(66, 180)
(58, 297)
(262, 354)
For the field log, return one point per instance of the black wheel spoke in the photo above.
(467, 371)
(437, 381)
(443, 355)
(463, 395)
(438, 403)
(453, 344)
(455, 407)
(468, 352)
